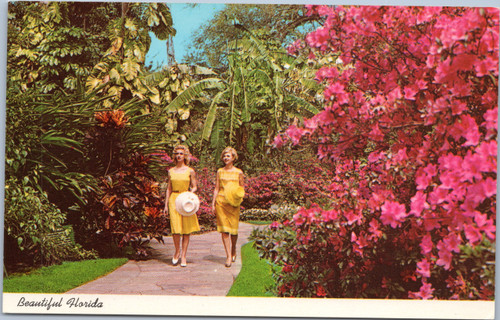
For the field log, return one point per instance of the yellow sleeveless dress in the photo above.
(180, 224)
(227, 216)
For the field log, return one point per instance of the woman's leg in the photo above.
(234, 238)
(227, 247)
(185, 244)
(177, 246)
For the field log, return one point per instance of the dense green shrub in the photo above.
(36, 226)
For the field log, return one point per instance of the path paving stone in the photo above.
(205, 274)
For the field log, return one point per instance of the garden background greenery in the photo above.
(367, 134)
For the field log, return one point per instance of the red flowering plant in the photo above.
(409, 128)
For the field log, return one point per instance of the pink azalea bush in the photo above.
(206, 186)
(297, 183)
(409, 129)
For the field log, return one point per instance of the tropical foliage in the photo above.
(262, 89)
(53, 49)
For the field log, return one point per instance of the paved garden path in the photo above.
(205, 274)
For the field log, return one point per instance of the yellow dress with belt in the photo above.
(180, 224)
(227, 216)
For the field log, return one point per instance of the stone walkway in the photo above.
(205, 274)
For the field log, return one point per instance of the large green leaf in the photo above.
(196, 90)
(53, 137)
(211, 115)
(217, 138)
(302, 104)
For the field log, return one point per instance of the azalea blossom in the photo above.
(393, 213)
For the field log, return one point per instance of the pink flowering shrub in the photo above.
(206, 186)
(262, 191)
(409, 129)
(297, 183)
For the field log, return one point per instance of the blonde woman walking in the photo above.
(228, 195)
(181, 178)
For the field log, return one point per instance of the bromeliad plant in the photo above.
(409, 126)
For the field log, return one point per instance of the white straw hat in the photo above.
(187, 203)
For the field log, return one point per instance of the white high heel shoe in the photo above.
(175, 261)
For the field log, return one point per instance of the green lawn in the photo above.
(259, 222)
(61, 278)
(255, 275)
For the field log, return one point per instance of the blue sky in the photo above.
(186, 20)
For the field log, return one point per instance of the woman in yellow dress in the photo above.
(227, 214)
(180, 178)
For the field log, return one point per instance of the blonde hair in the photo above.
(187, 154)
(231, 150)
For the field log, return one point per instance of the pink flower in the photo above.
(298, 218)
(443, 71)
(418, 203)
(410, 92)
(352, 217)
(376, 134)
(422, 179)
(490, 148)
(431, 170)
(423, 268)
(374, 230)
(375, 156)
(473, 234)
(471, 167)
(469, 130)
(318, 38)
(486, 225)
(426, 245)
(461, 89)
(295, 134)
(484, 67)
(453, 241)
(438, 196)
(425, 292)
(449, 180)
(458, 107)
(401, 155)
(274, 225)
(278, 141)
(393, 213)
(491, 119)
(326, 117)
